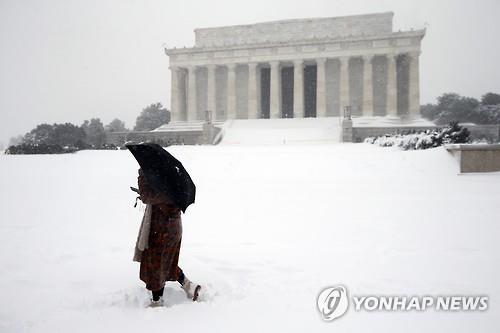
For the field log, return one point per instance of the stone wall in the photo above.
(293, 30)
(165, 138)
(476, 158)
(361, 133)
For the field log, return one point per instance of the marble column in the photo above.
(414, 98)
(253, 110)
(392, 87)
(191, 94)
(211, 86)
(275, 93)
(175, 106)
(344, 84)
(320, 87)
(367, 86)
(298, 89)
(231, 91)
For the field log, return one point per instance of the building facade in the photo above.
(298, 68)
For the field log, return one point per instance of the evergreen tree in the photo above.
(116, 125)
(490, 99)
(152, 117)
(94, 132)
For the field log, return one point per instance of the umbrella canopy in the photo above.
(164, 173)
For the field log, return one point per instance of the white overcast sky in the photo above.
(68, 60)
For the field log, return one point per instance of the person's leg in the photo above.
(181, 277)
(157, 294)
(192, 290)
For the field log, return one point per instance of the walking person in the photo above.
(159, 240)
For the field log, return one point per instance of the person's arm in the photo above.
(147, 194)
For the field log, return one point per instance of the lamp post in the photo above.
(346, 126)
(208, 117)
(347, 112)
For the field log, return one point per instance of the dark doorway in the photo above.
(403, 89)
(356, 86)
(310, 91)
(265, 92)
(287, 92)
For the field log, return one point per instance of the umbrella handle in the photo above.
(135, 205)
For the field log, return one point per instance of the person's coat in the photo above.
(160, 257)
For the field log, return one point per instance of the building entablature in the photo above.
(393, 43)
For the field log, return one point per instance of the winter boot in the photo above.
(192, 290)
(156, 304)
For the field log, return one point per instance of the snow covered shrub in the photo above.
(453, 133)
(41, 148)
(110, 146)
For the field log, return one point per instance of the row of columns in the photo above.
(298, 98)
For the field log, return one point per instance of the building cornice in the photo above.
(348, 39)
(358, 46)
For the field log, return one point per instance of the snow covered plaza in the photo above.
(271, 227)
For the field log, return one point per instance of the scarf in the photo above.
(143, 236)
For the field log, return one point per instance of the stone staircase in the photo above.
(281, 131)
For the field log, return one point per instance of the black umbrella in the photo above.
(164, 173)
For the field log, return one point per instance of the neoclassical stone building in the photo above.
(298, 68)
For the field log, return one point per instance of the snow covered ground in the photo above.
(271, 227)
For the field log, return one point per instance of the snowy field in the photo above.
(271, 227)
